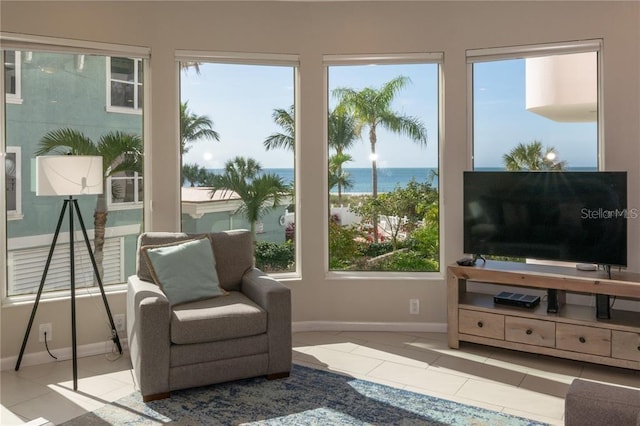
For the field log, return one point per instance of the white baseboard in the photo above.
(62, 354)
(92, 349)
(420, 327)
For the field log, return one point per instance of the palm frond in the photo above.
(279, 140)
(120, 152)
(285, 139)
(66, 141)
(259, 192)
(194, 127)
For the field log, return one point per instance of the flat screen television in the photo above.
(557, 215)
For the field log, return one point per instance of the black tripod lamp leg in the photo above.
(72, 267)
(44, 276)
(114, 332)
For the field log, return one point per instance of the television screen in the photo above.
(567, 216)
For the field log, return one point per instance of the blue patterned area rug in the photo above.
(307, 397)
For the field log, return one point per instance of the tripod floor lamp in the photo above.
(69, 175)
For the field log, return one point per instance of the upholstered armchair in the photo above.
(241, 330)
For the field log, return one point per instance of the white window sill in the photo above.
(124, 110)
(14, 216)
(13, 100)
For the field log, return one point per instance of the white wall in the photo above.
(312, 29)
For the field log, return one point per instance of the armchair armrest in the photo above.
(148, 330)
(275, 298)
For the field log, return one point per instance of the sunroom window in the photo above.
(238, 144)
(536, 107)
(66, 105)
(383, 163)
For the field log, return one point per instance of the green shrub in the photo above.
(377, 249)
(274, 257)
(425, 241)
(343, 247)
(407, 261)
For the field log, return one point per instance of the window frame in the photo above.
(263, 59)
(474, 56)
(137, 108)
(28, 44)
(384, 59)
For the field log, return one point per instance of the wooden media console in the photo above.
(574, 332)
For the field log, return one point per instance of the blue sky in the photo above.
(240, 99)
(501, 120)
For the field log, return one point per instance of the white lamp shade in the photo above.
(69, 175)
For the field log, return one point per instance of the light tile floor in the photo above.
(523, 384)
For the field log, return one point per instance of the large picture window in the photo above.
(536, 107)
(238, 142)
(53, 122)
(382, 169)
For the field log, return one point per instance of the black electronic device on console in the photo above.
(516, 299)
(555, 300)
(470, 261)
(466, 261)
(602, 306)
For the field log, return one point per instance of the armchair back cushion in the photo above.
(185, 271)
(233, 252)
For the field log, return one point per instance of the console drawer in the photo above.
(530, 331)
(625, 345)
(588, 340)
(481, 324)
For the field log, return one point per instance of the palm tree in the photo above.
(337, 175)
(344, 130)
(372, 108)
(120, 152)
(286, 139)
(259, 192)
(194, 173)
(532, 156)
(194, 127)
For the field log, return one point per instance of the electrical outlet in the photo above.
(120, 323)
(45, 328)
(414, 306)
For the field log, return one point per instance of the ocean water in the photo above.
(388, 178)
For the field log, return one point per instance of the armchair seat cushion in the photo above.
(221, 318)
(182, 355)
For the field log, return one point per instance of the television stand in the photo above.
(574, 332)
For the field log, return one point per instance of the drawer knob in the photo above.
(529, 331)
(582, 339)
(480, 324)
